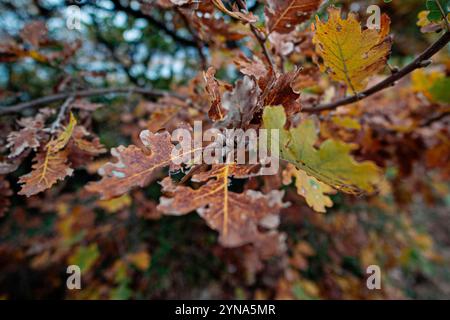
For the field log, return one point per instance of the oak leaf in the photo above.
(241, 103)
(283, 16)
(50, 165)
(330, 163)
(309, 187)
(235, 12)
(350, 54)
(236, 216)
(30, 134)
(212, 88)
(62, 139)
(135, 166)
(47, 169)
(281, 92)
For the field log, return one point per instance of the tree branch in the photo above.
(421, 61)
(198, 41)
(87, 93)
(259, 37)
(138, 14)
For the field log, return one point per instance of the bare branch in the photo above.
(87, 93)
(200, 44)
(259, 37)
(139, 14)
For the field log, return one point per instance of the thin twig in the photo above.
(61, 114)
(160, 25)
(259, 37)
(421, 61)
(200, 44)
(87, 93)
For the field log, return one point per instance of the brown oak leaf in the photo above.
(236, 216)
(281, 92)
(29, 136)
(284, 15)
(241, 103)
(212, 88)
(47, 169)
(135, 166)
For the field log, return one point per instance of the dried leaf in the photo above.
(235, 216)
(284, 15)
(350, 54)
(254, 67)
(29, 136)
(63, 138)
(241, 103)
(47, 169)
(281, 92)
(135, 166)
(235, 13)
(50, 165)
(86, 142)
(212, 88)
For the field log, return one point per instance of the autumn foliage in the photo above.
(88, 175)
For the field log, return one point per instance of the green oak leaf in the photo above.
(435, 12)
(330, 163)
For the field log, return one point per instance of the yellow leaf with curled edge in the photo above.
(349, 54)
(330, 163)
(310, 188)
(63, 138)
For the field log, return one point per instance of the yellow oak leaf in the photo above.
(63, 138)
(309, 187)
(349, 54)
(330, 163)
